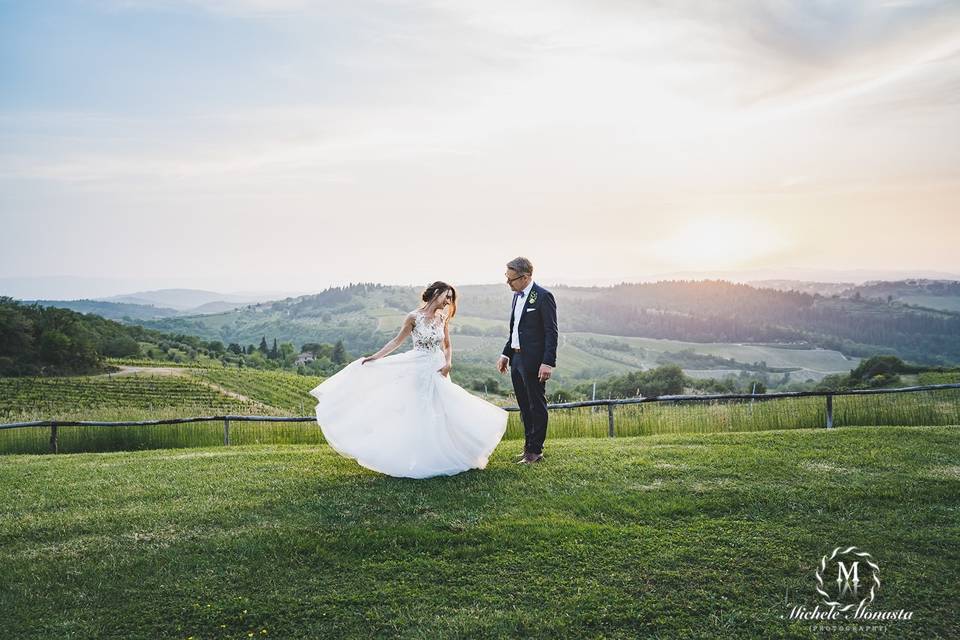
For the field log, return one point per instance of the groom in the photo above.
(530, 352)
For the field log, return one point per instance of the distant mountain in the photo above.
(181, 299)
(918, 292)
(822, 288)
(99, 288)
(215, 307)
(149, 305)
(800, 274)
(118, 311)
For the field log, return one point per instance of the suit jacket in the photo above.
(537, 327)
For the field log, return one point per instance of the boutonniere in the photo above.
(533, 297)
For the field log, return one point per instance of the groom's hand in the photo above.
(545, 372)
(502, 363)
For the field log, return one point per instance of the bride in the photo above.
(402, 415)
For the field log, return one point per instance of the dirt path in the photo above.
(162, 371)
(233, 394)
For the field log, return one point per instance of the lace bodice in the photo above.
(427, 335)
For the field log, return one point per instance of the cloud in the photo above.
(622, 113)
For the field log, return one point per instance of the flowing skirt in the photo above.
(398, 415)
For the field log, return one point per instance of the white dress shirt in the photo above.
(517, 312)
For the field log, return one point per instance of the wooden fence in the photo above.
(609, 403)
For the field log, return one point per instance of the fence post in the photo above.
(226, 431)
(829, 411)
(610, 430)
(53, 438)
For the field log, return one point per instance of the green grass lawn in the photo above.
(664, 536)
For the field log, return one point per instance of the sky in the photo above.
(292, 145)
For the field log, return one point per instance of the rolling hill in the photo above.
(786, 333)
(709, 317)
(931, 294)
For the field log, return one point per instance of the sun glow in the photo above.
(719, 242)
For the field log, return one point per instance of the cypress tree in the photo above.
(339, 355)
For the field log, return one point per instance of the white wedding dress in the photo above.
(398, 415)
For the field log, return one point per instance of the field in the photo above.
(23, 398)
(274, 388)
(157, 387)
(672, 536)
(583, 356)
(152, 394)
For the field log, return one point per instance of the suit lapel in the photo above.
(523, 308)
(526, 303)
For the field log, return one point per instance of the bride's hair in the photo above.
(437, 289)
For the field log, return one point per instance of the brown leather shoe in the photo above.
(520, 457)
(531, 458)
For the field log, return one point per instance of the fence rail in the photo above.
(610, 403)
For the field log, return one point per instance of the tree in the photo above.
(121, 346)
(756, 386)
(319, 350)
(215, 347)
(54, 346)
(16, 330)
(263, 345)
(274, 353)
(339, 355)
(257, 360)
(664, 380)
(311, 347)
(885, 365)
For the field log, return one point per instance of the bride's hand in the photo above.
(445, 370)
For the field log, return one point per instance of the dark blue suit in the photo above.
(537, 330)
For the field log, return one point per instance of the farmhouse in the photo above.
(305, 357)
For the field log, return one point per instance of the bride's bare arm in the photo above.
(398, 339)
(447, 349)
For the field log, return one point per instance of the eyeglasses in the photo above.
(509, 279)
